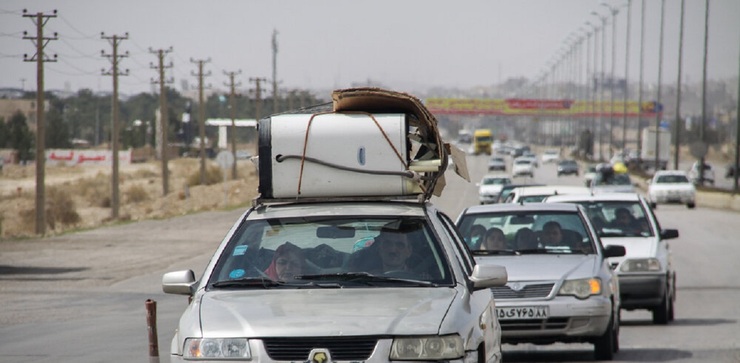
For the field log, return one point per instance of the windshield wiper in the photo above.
(248, 282)
(495, 252)
(363, 278)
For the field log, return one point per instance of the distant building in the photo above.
(8, 107)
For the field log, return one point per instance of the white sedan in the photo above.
(671, 186)
(522, 166)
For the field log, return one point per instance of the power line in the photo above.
(84, 36)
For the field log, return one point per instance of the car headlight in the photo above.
(427, 348)
(640, 265)
(216, 348)
(581, 288)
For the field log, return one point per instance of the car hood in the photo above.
(326, 312)
(490, 189)
(545, 267)
(636, 247)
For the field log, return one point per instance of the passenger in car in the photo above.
(494, 241)
(287, 262)
(552, 234)
(389, 252)
(475, 236)
(625, 221)
(526, 239)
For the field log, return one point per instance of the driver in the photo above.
(394, 249)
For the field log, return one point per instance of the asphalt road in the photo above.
(81, 297)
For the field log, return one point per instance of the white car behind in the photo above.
(671, 186)
(522, 166)
(490, 187)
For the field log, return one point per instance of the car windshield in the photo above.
(540, 232)
(671, 179)
(618, 218)
(331, 252)
(522, 162)
(496, 181)
(568, 162)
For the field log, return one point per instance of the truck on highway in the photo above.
(649, 150)
(482, 141)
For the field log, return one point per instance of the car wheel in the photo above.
(616, 334)
(661, 313)
(672, 313)
(604, 345)
(691, 205)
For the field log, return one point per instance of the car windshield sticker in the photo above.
(240, 250)
(235, 274)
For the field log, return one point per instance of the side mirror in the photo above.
(614, 251)
(669, 233)
(179, 282)
(485, 276)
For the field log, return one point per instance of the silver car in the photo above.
(561, 287)
(647, 279)
(348, 281)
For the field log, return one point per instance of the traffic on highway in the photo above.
(560, 270)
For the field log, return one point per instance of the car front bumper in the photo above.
(641, 291)
(379, 354)
(666, 198)
(569, 320)
(488, 198)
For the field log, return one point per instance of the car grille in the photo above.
(340, 348)
(528, 292)
(537, 324)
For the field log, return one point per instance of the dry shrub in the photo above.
(214, 175)
(136, 194)
(144, 174)
(28, 220)
(96, 190)
(60, 208)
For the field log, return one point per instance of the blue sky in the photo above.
(407, 45)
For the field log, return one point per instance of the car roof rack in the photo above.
(257, 201)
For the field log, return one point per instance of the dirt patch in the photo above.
(80, 197)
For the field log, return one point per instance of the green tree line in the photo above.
(87, 116)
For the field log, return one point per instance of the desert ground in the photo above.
(78, 197)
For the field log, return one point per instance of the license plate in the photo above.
(523, 312)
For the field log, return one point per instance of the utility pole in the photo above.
(614, 11)
(659, 105)
(626, 75)
(201, 116)
(639, 90)
(258, 97)
(39, 19)
(163, 113)
(704, 95)
(274, 72)
(677, 126)
(232, 104)
(114, 57)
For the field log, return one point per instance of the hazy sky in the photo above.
(407, 45)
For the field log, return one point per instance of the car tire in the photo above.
(604, 345)
(661, 313)
(691, 205)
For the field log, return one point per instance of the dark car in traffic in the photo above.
(567, 167)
